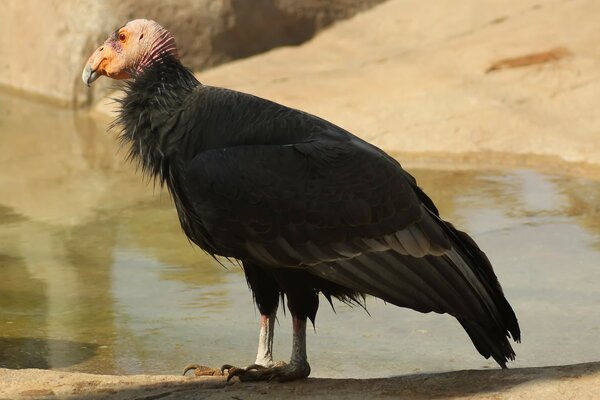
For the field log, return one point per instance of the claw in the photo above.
(241, 373)
(226, 367)
(201, 370)
(189, 367)
(257, 367)
(280, 372)
(255, 372)
(233, 371)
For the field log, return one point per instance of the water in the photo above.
(97, 277)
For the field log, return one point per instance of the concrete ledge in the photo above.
(579, 381)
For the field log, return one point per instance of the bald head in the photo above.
(129, 51)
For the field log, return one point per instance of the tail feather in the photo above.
(489, 342)
(460, 281)
(481, 266)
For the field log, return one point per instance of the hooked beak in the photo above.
(96, 64)
(104, 61)
(89, 75)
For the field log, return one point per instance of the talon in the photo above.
(189, 367)
(256, 367)
(280, 372)
(226, 367)
(201, 370)
(233, 371)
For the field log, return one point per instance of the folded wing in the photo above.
(345, 211)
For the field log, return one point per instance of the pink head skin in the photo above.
(129, 50)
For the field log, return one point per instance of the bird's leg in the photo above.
(264, 355)
(298, 360)
(266, 295)
(297, 368)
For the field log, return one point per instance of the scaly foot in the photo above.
(201, 370)
(281, 372)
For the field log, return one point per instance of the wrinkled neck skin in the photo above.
(158, 45)
(150, 111)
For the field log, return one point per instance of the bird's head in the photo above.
(129, 50)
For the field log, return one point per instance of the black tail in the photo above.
(491, 340)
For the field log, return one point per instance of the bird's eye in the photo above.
(122, 37)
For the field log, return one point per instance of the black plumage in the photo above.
(306, 206)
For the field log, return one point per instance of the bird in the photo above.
(307, 208)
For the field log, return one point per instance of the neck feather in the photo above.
(149, 112)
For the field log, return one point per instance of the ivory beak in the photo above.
(89, 75)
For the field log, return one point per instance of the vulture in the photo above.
(306, 207)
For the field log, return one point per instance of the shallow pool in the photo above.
(96, 275)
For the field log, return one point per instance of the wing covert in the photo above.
(307, 203)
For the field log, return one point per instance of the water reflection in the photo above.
(24, 352)
(97, 276)
(583, 203)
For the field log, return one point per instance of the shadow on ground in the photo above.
(579, 381)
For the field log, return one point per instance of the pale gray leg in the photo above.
(298, 357)
(264, 356)
(298, 367)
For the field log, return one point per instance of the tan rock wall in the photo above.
(412, 77)
(44, 44)
(214, 32)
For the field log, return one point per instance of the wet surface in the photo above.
(96, 275)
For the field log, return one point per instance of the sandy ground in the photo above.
(581, 381)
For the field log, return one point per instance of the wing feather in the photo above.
(348, 213)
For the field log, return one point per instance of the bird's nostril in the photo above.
(101, 48)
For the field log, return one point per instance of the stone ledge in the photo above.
(579, 381)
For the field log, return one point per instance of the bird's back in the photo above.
(281, 188)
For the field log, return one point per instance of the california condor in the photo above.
(307, 207)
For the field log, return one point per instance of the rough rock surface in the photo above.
(42, 44)
(416, 78)
(46, 58)
(580, 381)
(518, 77)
